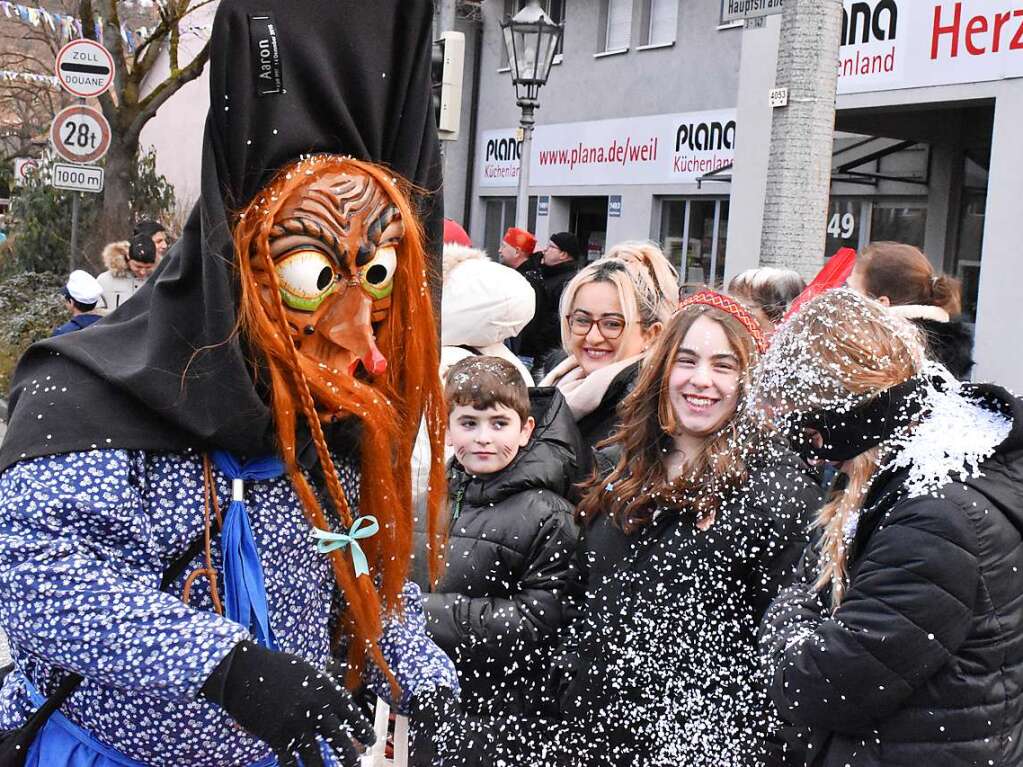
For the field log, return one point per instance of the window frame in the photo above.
(647, 41)
(606, 16)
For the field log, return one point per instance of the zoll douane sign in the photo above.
(80, 134)
(84, 68)
(892, 44)
(77, 178)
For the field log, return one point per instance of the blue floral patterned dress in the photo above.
(84, 540)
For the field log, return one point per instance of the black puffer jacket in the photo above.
(660, 667)
(498, 608)
(950, 343)
(922, 664)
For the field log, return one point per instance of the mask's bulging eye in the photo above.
(378, 275)
(307, 277)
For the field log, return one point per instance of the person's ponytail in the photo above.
(946, 292)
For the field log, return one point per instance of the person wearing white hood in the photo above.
(483, 304)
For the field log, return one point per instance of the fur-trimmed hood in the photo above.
(483, 302)
(115, 258)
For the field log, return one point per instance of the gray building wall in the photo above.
(699, 71)
(998, 326)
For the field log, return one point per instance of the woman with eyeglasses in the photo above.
(611, 312)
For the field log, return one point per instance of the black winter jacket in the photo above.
(555, 278)
(922, 663)
(950, 343)
(660, 666)
(498, 608)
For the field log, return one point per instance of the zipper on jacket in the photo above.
(459, 497)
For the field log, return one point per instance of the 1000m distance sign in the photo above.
(84, 68)
(80, 134)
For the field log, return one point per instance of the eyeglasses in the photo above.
(611, 326)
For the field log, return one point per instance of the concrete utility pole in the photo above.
(447, 15)
(802, 137)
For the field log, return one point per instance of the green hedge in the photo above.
(30, 308)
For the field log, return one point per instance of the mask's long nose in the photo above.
(347, 323)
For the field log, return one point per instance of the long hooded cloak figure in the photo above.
(206, 501)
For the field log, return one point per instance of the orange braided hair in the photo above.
(389, 410)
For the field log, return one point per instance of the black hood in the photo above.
(950, 343)
(550, 460)
(1001, 479)
(287, 78)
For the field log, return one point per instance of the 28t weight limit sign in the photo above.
(80, 134)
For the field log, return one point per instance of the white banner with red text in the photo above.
(893, 44)
(652, 149)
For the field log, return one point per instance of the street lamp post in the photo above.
(532, 40)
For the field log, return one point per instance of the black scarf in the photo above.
(847, 434)
(166, 371)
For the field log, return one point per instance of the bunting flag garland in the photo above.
(7, 75)
(70, 27)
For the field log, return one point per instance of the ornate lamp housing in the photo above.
(532, 40)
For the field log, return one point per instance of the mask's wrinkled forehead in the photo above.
(347, 214)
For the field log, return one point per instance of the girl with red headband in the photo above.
(692, 527)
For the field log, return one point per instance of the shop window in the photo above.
(971, 240)
(661, 21)
(499, 214)
(853, 222)
(845, 217)
(694, 234)
(617, 25)
(898, 222)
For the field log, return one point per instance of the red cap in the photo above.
(454, 233)
(521, 239)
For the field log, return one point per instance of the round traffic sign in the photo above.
(84, 68)
(80, 134)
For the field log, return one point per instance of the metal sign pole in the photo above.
(75, 204)
(73, 256)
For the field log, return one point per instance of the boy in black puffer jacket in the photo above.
(499, 606)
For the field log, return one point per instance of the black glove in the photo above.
(286, 703)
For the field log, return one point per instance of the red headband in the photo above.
(733, 307)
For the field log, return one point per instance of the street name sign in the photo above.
(84, 68)
(737, 10)
(80, 134)
(77, 178)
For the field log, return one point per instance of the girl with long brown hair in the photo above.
(902, 640)
(688, 533)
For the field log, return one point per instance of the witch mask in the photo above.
(334, 248)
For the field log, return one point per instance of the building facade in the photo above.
(655, 124)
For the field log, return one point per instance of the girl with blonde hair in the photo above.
(902, 642)
(611, 312)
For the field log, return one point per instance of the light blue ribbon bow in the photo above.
(244, 585)
(363, 527)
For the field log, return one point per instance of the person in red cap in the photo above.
(518, 252)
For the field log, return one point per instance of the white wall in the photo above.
(999, 322)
